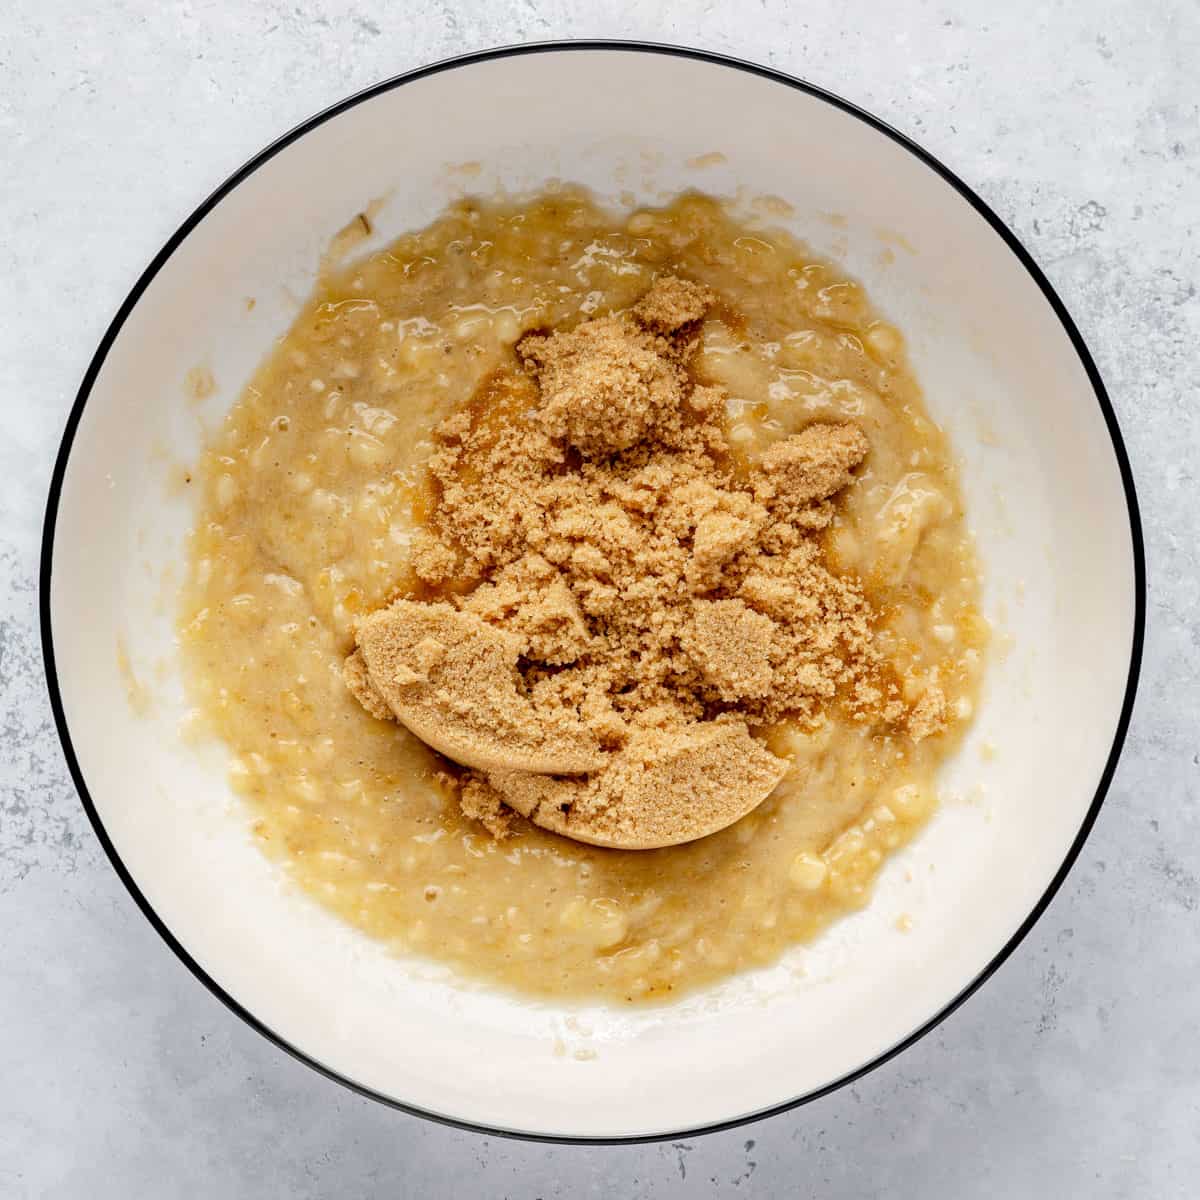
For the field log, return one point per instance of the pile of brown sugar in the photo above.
(636, 591)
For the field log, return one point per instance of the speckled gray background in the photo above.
(1075, 1070)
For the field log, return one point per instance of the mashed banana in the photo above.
(313, 516)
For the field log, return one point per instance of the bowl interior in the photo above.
(1046, 501)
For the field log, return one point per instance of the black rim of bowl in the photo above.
(1010, 239)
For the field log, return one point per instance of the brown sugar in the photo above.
(481, 802)
(813, 465)
(673, 303)
(732, 645)
(452, 679)
(928, 715)
(531, 598)
(604, 385)
(664, 787)
(612, 601)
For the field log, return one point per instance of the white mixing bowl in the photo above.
(1050, 499)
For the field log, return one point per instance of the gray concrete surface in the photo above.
(1074, 1072)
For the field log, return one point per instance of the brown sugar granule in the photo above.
(928, 715)
(604, 385)
(452, 679)
(809, 467)
(624, 590)
(718, 537)
(672, 303)
(531, 598)
(432, 561)
(732, 644)
(358, 680)
(665, 786)
(481, 802)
